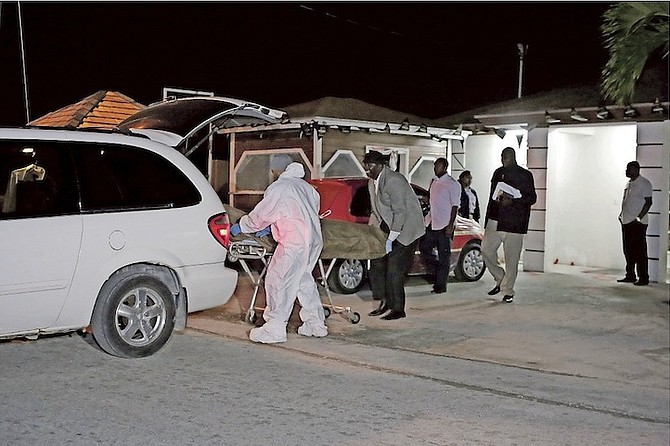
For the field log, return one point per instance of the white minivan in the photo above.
(110, 230)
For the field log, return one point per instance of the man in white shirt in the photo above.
(634, 221)
(445, 198)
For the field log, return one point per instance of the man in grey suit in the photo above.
(396, 209)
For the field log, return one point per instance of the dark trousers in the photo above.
(440, 265)
(635, 250)
(387, 275)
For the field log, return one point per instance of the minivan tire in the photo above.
(133, 316)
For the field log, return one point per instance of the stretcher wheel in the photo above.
(326, 312)
(251, 317)
(355, 318)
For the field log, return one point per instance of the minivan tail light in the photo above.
(219, 226)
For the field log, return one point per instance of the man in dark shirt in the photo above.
(507, 215)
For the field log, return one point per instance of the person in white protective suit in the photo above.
(290, 207)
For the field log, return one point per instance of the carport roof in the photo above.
(102, 109)
(561, 102)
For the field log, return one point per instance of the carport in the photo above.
(578, 156)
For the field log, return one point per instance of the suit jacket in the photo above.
(397, 205)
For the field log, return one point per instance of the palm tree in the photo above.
(633, 33)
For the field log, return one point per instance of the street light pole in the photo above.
(523, 49)
(23, 64)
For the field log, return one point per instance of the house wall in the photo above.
(272, 141)
(585, 182)
(357, 141)
(579, 179)
(482, 157)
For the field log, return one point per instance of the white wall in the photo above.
(585, 182)
(482, 158)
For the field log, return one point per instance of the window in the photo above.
(121, 177)
(423, 171)
(399, 158)
(36, 180)
(253, 170)
(343, 164)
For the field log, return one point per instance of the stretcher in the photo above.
(247, 250)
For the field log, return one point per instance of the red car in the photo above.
(347, 199)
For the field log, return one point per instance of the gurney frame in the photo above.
(249, 249)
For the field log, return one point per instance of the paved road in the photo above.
(212, 390)
(576, 360)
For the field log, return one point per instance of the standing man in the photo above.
(469, 201)
(290, 207)
(396, 208)
(634, 221)
(445, 197)
(507, 215)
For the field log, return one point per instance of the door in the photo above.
(40, 233)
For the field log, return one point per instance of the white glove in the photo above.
(389, 245)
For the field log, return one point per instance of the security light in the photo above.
(550, 119)
(603, 114)
(574, 114)
(657, 107)
(630, 113)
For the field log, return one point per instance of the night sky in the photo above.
(427, 59)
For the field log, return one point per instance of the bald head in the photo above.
(508, 156)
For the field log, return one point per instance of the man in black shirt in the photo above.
(507, 215)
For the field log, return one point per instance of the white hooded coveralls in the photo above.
(290, 206)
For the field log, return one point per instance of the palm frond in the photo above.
(632, 32)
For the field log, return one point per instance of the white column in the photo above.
(653, 149)
(533, 246)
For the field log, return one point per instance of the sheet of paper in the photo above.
(504, 187)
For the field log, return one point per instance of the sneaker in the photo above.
(313, 330)
(260, 334)
(508, 299)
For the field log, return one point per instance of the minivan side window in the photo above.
(117, 178)
(36, 180)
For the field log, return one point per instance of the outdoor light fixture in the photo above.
(550, 119)
(423, 128)
(574, 114)
(603, 114)
(459, 130)
(405, 125)
(630, 113)
(345, 129)
(387, 128)
(657, 107)
(500, 132)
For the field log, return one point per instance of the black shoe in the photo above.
(439, 290)
(627, 280)
(377, 311)
(494, 291)
(394, 314)
(641, 283)
(508, 299)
